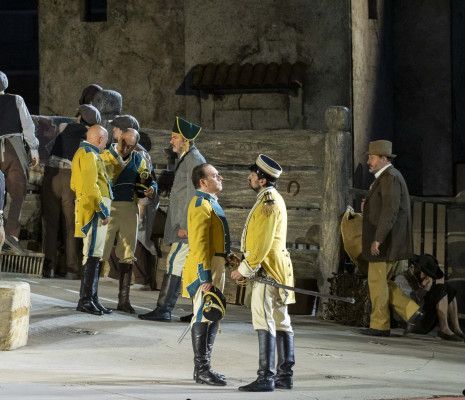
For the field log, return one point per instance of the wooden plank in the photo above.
(303, 226)
(237, 192)
(305, 263)
(290, 148)
(299, 223)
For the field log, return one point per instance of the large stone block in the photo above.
(14, 314)
(234, 120)
(264, 101)
(270, 119)
(227, 102)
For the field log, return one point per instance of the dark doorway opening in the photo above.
(19, 57)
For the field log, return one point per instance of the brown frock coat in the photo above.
(387, 219)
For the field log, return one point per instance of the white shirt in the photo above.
(381, 170)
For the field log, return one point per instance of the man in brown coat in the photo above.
(386, 240)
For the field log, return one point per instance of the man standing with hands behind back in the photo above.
(386, 240)
(209, 245)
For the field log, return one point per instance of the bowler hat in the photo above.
(89, 114)
(125, 122)
(185, 128)
(428, 265)
(380, 148)
(268, 166)
(214, 305)
(3, 81)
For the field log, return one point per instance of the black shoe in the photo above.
(414, 320)
(375, 332)
(156, 315)
(72, 276)
(13, 245)
(453, 338)
(283, 383)
(101, 307)
(186, 318)
(259, 385)
(210, 378)
(48, 273)
(88, 306)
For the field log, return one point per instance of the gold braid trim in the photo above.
(269, 205)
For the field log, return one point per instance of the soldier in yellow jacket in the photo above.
(263, 244)
(209, 245)
(90, 182)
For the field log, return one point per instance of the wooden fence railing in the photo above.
(436, 226)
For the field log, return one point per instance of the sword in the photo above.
(303, 291)
(184, 333)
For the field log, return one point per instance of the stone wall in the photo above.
(252, 111)
(138, 51)
(146, 49)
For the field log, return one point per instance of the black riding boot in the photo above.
(265, 380)
(95, 290)
(125, 275)
(169, 294)
(201, 360)
(211, 335)
(285, 349)
(87, 279)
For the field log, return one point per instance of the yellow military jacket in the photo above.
(208, 234)
(91, 184)
(263, 241)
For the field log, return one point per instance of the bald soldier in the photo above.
(124, 165)
(90, 182)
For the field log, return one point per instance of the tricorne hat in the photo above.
(380, 148)
(89, 114)
(267, 165)
(428, 265)
(3, 81)
(125, 122)
(188, 130)
(214, 305)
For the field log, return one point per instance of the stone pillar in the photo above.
(336, 182)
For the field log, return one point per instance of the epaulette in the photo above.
(199, 201)
(269, 205)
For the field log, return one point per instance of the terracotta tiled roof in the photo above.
(248, 76)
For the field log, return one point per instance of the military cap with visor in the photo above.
(214, 305)
(267, 167)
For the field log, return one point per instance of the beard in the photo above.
(255, 189)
